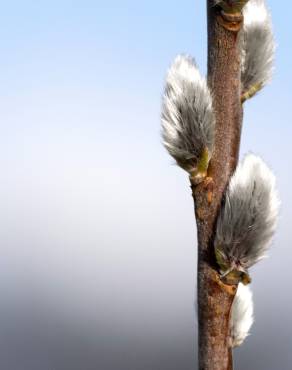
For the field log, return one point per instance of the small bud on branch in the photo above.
(258, 48)
(187, 117)
(241, 315)
(247, 218)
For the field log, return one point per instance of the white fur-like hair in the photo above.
(241, 315)
(188, 120)
(258, 45)
(248, 215)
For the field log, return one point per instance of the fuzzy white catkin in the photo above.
(258, 45)
(241, 315)
(187, 116)
(248, 216)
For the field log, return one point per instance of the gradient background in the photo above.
(98, 248)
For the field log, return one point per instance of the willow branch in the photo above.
(214, 297)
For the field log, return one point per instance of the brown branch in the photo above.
(214, 297)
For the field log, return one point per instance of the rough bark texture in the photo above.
(214, 297)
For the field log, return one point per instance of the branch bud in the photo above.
(247, 218)
(241, 315)
(258, 48)
(188, 119)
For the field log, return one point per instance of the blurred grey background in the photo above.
(98, 238)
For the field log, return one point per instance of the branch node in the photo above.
(231, 22)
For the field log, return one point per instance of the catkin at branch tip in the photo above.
(241, 315)
(187, 116)
(248, 215)
(258, 46)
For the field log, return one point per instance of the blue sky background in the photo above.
(98, 248)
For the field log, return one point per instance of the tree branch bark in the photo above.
(214, 297)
